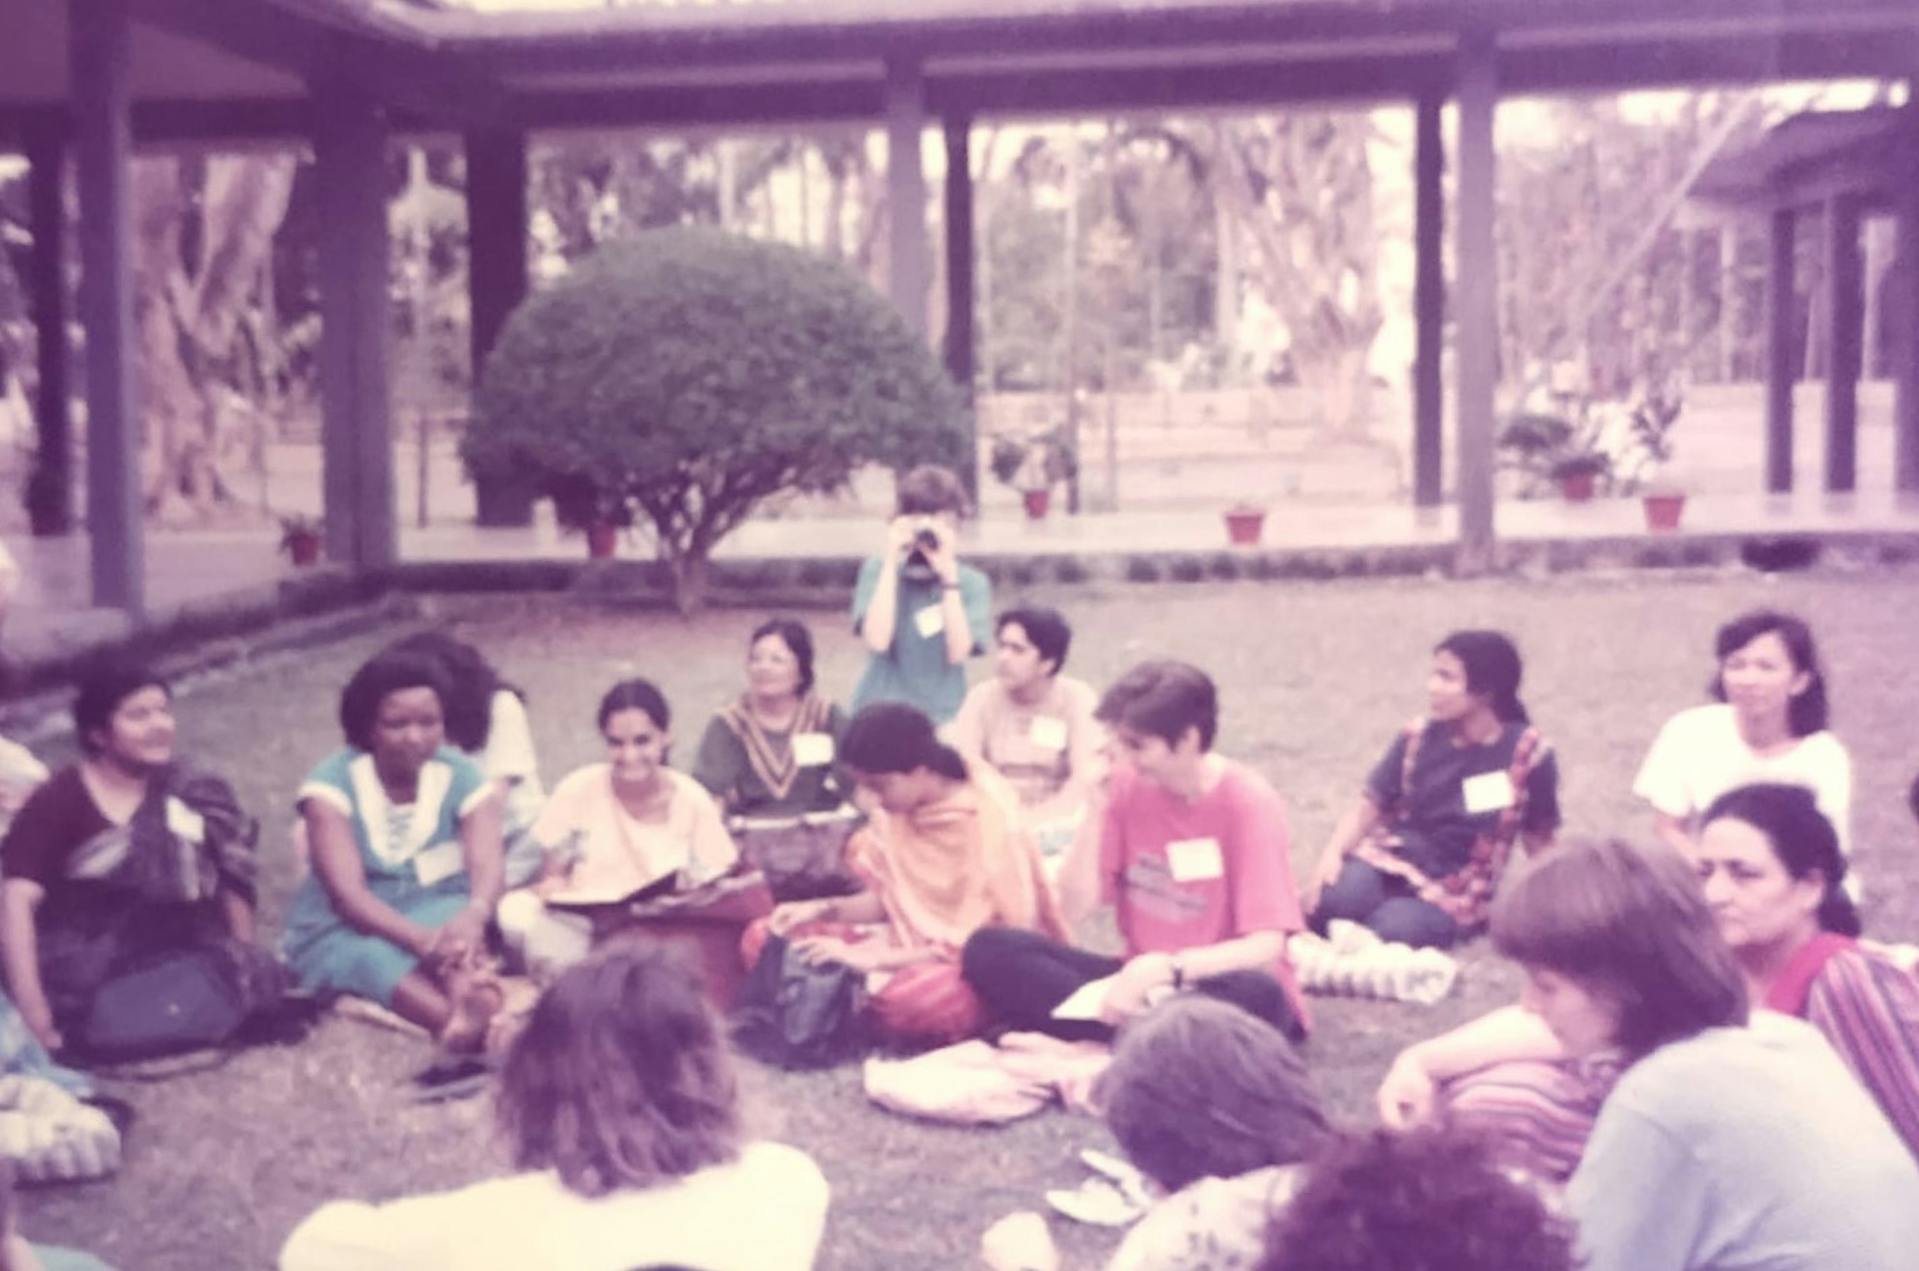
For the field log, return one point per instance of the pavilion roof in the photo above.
(1816, 154)
(243, 68)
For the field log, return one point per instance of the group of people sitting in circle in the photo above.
(1709, 1066)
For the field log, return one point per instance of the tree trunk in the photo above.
(1308, 210)
(188, 323)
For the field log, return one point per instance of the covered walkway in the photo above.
(86, 81)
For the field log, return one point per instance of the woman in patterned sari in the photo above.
(1418, 857)
(122, 865)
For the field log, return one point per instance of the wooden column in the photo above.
(1782, 366)
(50, 485)
(906, 250)
(1476, 298)
(1845, 343)
(1903, 311)
(103, 146)
(1429, 302)
(959, 284)
(496, 226)
(350, 144)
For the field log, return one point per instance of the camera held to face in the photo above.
(918, 565)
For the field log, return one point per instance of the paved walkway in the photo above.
(51, 612)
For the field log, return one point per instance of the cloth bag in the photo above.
(795, 1015)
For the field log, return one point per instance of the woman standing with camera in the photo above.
(921, 612)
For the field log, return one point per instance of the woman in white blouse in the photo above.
(1769, 725)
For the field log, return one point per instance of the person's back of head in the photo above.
(1200, 1088)
(622, 1078)
(1422, 1201)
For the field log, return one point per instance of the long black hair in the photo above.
(1493, 669)
(894, 737)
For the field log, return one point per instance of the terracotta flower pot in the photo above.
(601, 540)
(303, 550)
(1664, 510)
(1244, 525)
(1577, 487)
(1036, 503)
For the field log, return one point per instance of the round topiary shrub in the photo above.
(688, 376)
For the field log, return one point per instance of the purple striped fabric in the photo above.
(1868, 1008)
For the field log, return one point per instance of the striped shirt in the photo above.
(1868, 1008)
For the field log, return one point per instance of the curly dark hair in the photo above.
(1424, 1201)
(388, 671)
(622, 1078)
(471, 683)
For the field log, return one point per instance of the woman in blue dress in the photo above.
(404, 834)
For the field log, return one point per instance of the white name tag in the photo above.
(438, 863)
(1194, 860)
(930, 621)
(1048, 732)
(812, 750)
(1488, 792)
(184, 822)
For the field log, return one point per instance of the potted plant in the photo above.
(582, 504)
(1033, 466)
(1245, 522)
(1578, 473)
(1651, 425)
(301, 537)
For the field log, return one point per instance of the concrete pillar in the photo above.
(1782, 368)
(959, 285)
(1429, 302)
(1476, 296)
(350, 145)
(496, 229)
(1903, 311)
(1845, 343)
(50, 485)
(103, 146)
(906, 249)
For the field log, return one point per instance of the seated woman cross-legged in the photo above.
(404, 833)
(942, 857)
(1772, 874)
(616, 832)
(1418, 858)
(769, 758)
(1726, 1141)
(129, 887)
(1770, 723)
(1191, 853)
(621, 1108)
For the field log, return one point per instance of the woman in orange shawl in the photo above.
(942, 856)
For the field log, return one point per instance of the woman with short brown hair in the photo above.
(1723, 1143)
(620, 1106)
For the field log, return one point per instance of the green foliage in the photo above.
(693, 375)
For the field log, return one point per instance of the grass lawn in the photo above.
(1315, 679)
